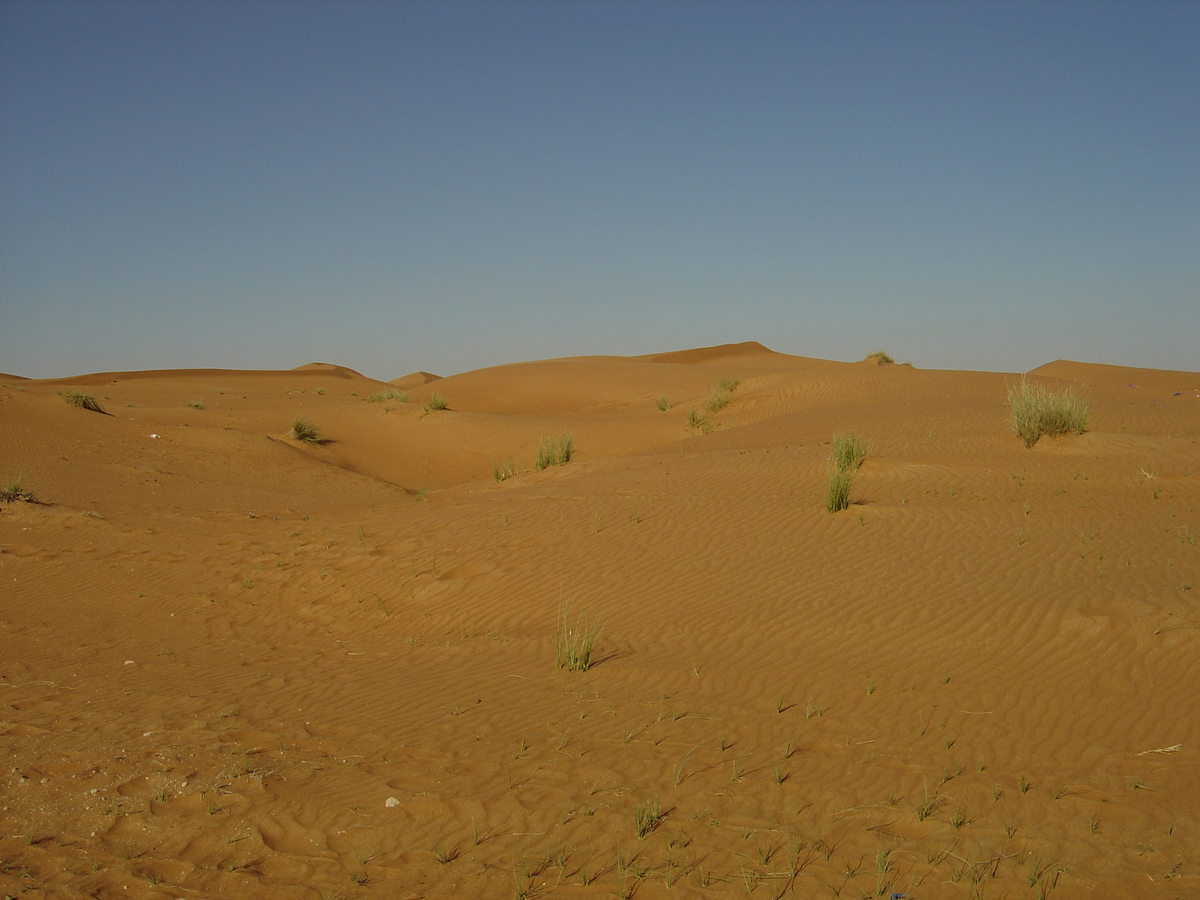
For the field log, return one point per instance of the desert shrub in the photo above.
(1037, 410)
(436, 401)
(837, 492)
(555, 451)
(196, 404)
(717, 402)
(695, 418)
(503, 471)
(575, 641)
(849, 450)
(727, 385)
(390, 394)
(304, 430)
(82, 400)
(881, 358)
(663, 403)
(13, 490)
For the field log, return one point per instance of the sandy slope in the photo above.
(233, 665)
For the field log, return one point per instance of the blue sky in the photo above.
(443, 186)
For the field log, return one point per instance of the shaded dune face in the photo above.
(235, 664)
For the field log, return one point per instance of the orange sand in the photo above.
(237, 666)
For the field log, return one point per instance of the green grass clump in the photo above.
(881, 358)
(575, 641)
(390, 394)
(663, 403)
(304, 430)
(849, 450)
(503, 471)
(436, 401)
(837, 492)
(13, 490)
(1038, 410)
(82, 400)
(555, 451)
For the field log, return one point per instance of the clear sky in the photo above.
(396, 186)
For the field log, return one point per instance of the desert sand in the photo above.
(238, 665)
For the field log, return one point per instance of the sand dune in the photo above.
(239, 665)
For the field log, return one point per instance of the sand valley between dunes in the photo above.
(238, 665)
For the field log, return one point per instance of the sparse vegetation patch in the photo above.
(837, 492)
(13, 490)
(304, 430)
(1037, 410)
(555, 451)
(436, 401)
(82, 400)
(392, 394)
(575, 640)
(646, 817)
(881, 358)
(727, 385)
(849, 450)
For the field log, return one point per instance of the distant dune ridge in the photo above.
(237, 665)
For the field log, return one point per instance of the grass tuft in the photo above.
(555, 451)
(1037, 410)
(849, 450)
(81, 400)
(727, 385)
(304, 430)
(646, 817)
(436, 401)
(881, 358)
(13, 490)
(837, 492)
(663, 403)
(196, 404)
(574, 642)
(389, 394)
(717, 402)
(503, 471)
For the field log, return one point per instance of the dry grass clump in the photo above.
(646, 817)
(13, 490)
(81, 400)
(881, 358)
(1037, 410)
(304, 430)
(575, 641)
(436, 401)
(503, 471)
(663, 403)
(390, 394)
(555, 451)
